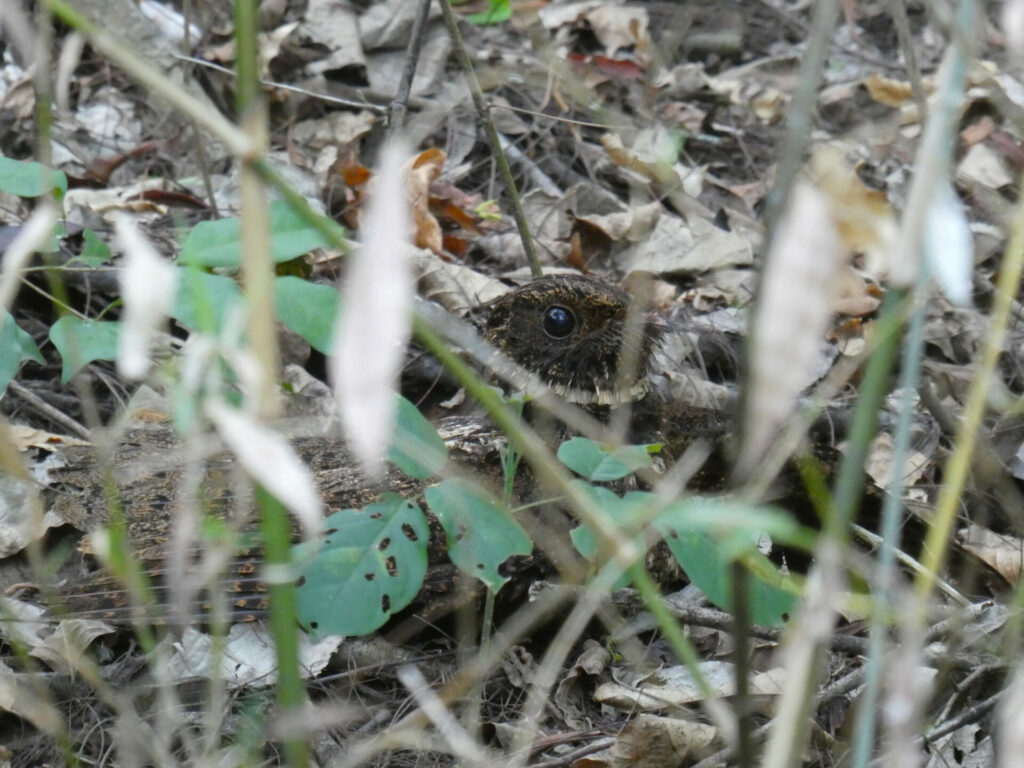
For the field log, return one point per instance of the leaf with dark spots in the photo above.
(480, 531)
(345, 579)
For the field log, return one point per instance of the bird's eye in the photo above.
(559, 322)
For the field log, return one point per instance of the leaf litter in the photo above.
(644, 138)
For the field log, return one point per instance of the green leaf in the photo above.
(600, 464)
(416, 448)
(308, 309)
(80, 342)
(625, 512)
(95, 252)
(481, 534)
(497, 12)
(370, 566)
(203, 299)
(30, 179)
(706, 559)
(16, 345)
(218, 243)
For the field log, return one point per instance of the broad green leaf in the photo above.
(80, 342)
(734, 524)
(309, 309)
(203, 299)
(218, 243)
(625, 512)
(600, 464)
(15, 346)
(497, 12)
(371, 565)
(706, 559)
(95, 252)
(416, 448)
(30, 179)
(481, 534)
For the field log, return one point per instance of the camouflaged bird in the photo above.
(572, 330)
(569, 330)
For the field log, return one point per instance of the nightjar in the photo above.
(570, 330)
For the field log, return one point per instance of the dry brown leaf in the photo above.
(863, 217)
(620, 26)
(649, 741)
(334, 128)
(422, 171)
(1004, 554)
(769, 105)
(64, 649)
(855, 295)
(984, 165)
(879, 463)
(891, 93)
(979, 130)
(455, 287)
(24, 437)
(674, 247)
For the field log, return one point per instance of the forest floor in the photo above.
(672, 148)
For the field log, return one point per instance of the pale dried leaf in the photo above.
(148, 285)
(34, 233)
(128, 198)
(374, 322)
(557, 15)
(855, 295)
(332, 24)
(770, 105)
(64, 649)
(674, 247)
(792, 315)
(334, 129)
(247, 659)
(1009, 721)
(271, 461)
(969, 746)
(1012, 21)
(23, 623)
(170, 22)
(20, 523)
(948, 245)
(20, 696)
(388, 23)
(675, 686)
(630, 224)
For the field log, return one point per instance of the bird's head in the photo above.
(571, 331)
